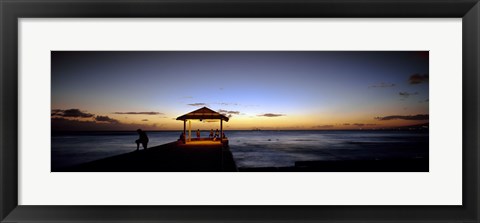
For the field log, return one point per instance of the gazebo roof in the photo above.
(203, 113)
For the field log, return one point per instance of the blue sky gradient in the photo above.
(302, 89)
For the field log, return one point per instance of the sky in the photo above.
(278, 90)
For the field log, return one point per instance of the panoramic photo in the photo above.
(239, 111)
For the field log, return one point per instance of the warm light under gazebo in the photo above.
(201, 114)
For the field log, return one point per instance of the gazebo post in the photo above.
(184, 130)
(221, 130)
(189, 130)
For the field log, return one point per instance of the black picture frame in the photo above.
(12, 10)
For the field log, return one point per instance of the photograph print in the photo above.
(239, 111)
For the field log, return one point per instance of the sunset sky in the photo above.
(126, 90)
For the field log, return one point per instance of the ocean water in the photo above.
(253, 148)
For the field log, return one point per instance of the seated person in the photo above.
(182, 137)
(143, 139)
(217, 135)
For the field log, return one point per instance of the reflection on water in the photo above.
(283, 148)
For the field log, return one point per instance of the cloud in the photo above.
(138, 113)
(363, 124)
(418, 78)
(407, 94)
(323, 126)
(144, 120)
(423, 101)
(214, 103)
(229, 112)
(346, 123)
(63, 124)
(100, 118)
(271, 115)
(71, 113)
(382, 85)
(404, 117)
(198, 104)
(56, 111)
(226, 103)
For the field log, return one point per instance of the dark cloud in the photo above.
(229, 112)
(71, 113)
(56, 111)
(138, 113)
(226, 103)
(144, 120)
(271, 115)
(382, 85)
(363, 124)
(323, 126)
(423, 101)
(198, 104)
(404, 117)
(63, 124)
(346, 123)
(418, 78)
(100, 118)
(407, 94)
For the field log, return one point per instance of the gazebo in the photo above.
(201, 114)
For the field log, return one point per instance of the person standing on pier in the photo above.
(143, 139)
(198, 134)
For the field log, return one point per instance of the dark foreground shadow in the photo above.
(171, 157)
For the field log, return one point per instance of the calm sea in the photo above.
(254, 148)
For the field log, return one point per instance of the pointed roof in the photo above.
(203, 113)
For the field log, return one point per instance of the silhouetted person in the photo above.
(223, 136)
(211, 134)
(182, 137)
(198, 133)
(217, 135)
(143, 139)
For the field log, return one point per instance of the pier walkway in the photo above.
(201, 156)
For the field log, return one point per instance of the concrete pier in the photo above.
(201, 156)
